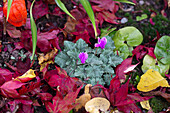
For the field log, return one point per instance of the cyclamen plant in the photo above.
(90, 65)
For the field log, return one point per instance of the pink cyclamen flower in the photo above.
(83, 57)
(101, 43)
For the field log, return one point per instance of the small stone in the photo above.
(141, 2)
(124, 20)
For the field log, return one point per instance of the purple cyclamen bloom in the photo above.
(101, 43)
(83, 57)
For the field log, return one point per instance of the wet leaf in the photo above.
(151, 80)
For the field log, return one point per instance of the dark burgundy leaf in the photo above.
(121, 93)
(23, 66)
(40, 9)
(128, 108)
(124, 68)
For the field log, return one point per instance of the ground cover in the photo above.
(125, 62)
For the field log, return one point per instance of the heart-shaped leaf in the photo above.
(126, 38)
(151, 63)
(151, 80)
(162, 50)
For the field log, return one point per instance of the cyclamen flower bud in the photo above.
(101, 42)
(83, 57)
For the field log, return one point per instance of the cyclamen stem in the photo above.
(96, 52)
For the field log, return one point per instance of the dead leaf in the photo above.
(49, 56)
(29, 75)
(151, 80)
(145, 104)
(43, 65)
(83, 99)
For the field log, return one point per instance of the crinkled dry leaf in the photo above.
(29, 75)
(47, 57)
(43, 65)
(151, 80)
(83, 99)
(145, 104)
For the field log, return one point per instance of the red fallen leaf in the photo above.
(40, 9)
(96, 91)
(28, 24)
(8, 89)
(151, 21)
(121, 94)
(137, 98)
(43, 44)
(31, 86)
(26, 109)
(141, 50)
(163, 10)
(65, 84)
(128, 108)
(106, 16)
(62, 105)
(57, 12)
(15, 102)
(114, 84)
(124, 68)
(13, 32)
(23, 66)
(45, 96)
(18, 45)
(151, 52)
(107, 5)
(85, 36)
(5, 75)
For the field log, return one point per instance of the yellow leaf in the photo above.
(29, 75)
(151, 80)
(45, 63)
(47, 57)
(145, 104)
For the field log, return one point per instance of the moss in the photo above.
(158, 104)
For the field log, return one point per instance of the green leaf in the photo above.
(125, 1)
(90, 13)
(106, 31)
(142, 17)
(61, 59)
(62, 6)
(34, 32)
(151, 63)
(9, 7)
(162, 50)
(126, 38)
(81, 45)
